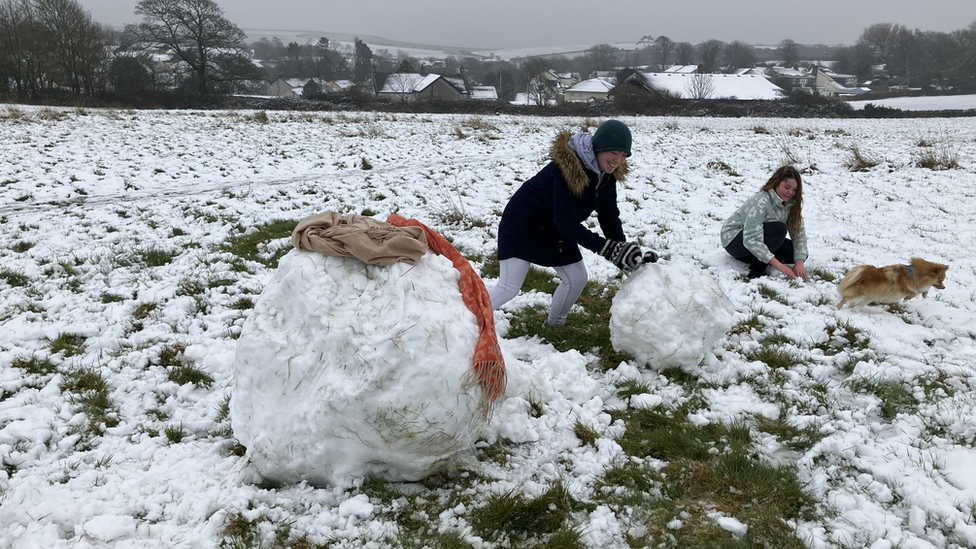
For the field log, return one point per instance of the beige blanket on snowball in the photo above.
(371, 240)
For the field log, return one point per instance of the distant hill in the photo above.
(420, 50)
(764, 52)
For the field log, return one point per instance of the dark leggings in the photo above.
(774, 236)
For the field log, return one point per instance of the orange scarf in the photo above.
(489, 366)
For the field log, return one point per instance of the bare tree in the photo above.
(601, 57)
(685, 53)
(20, 44)
(402, 84)
(75, 42)
(710, 52)
(534, 77)
(881, 38)
(789, 51)
(739, 55)
(906, 54)
(363, 65)
(644, 52)
(199, 36)
(700, 86)
(854, 60)
(665, 48)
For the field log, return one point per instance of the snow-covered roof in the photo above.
(483, 92)
(682, 69)
(724, 86)
(457, 82)
(791, 72)
(593, 85)
(407, 82)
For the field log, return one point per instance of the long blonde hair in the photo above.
(795, 218)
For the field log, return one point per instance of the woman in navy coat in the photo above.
(543, 221)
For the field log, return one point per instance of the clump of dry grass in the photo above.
(720, 166)
(790, 156)
(858, 161)
(937, 154)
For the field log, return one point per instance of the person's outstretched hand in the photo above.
(801, 270)
(625, 255)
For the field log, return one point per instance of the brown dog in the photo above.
(891, 284)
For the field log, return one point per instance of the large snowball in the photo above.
(669, 315)
(347, 369)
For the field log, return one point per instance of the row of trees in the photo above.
(917, 58)
(49, 44)
(53, 46)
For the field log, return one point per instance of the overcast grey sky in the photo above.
(498, 24)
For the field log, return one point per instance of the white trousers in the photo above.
(512, 272)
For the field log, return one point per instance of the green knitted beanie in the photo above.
(612, 135)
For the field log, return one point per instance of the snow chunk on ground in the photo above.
(347, 369)
(669, 314)
(111, 527)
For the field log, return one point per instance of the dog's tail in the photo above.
(853, 277)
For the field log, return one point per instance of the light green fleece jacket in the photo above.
(749, 218)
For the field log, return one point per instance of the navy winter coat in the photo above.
(543, 222)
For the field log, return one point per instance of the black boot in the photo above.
(757, 269)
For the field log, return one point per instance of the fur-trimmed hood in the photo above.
(572, 168)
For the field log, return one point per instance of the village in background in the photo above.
(53, 52)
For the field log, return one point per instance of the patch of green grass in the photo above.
(22, 246)
(588, 329)
(187, 373)
(823, 274)
(190, 286)
(141, 312)
(512, 516)
(239, 532)
(709, 468)
(183, 374)
(157, 414)
(175, 433)
(629, 483)
(243, 303)
(438, 493)
(497, 452)
(69, 344)
(178, 369)
(776, 339)
(746, 326)
(91, 394)
(850, 363)
(111, 298)
(587, 435)
(774, 357)
(13, 278)
(490, 269)
(156, 257)
(843, 337)
(627, 388)
(789, 435)
(894, 396)
(34, 365)
(246, 246)
(938, 384)
(170, 356)
(770, 293)
(213, 283)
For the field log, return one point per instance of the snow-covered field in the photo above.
(924, 103)
(88, 197)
